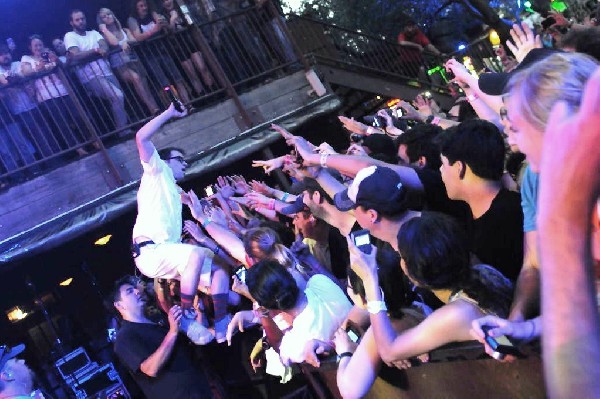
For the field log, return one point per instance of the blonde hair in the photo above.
(269, 244)
(560, 77)
(108, 10)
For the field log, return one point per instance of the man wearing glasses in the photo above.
(157, 247)
(16, 379)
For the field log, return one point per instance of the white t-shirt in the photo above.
(50, 86)
(89, 41)
(325, 312)
(159, 203)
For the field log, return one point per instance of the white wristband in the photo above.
(375, 307)
(323, 160)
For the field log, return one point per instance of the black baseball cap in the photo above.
(374, 187)
(296, 207)
(494, 83)
(7, 353)
(380, 144)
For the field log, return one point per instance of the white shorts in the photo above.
(169, 260)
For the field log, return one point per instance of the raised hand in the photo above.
(353, 125)
(326, 148)
(269, 165)
(190, 227)
(283, 132)
(364, 265)
(410, 112)
(462, 76)
(523, 41)
(356, 149)
(260, 187)
(191, 200)
(173, 113)
(240, 185)
(218, 216)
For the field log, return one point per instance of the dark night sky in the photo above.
(21, 18)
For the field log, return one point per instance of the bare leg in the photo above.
(141, 88)
(201, 66)
(188, 67)
(191, 275)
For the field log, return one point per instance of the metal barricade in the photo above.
(482, 55)
(77, 107)
(333, 44)
(40, 124)
(250, 44)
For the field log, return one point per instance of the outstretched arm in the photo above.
(567, 195)
(144, 135)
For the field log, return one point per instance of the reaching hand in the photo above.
(523, 41)
(257, 199)
(410, 112)
(269, 165)
(218, 216)
(283, 132)
(304, 149)
(225, 189)
(240, 185)
(261, 187)
(314, 348)
(237, 323)
(190, 227)
(356, 149)
(516, 330)
(462, 76)
(326, 148)
(174, 316)
(424, 105)
(353, 126)
(383, 113)
(191, 200)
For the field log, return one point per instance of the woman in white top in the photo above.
(53, 97)
(125, 62)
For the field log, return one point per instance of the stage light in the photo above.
(461, 47)
(16, 314)
(527, 4)
(393, 102)
(494, 38)
(103, 240)
(67, 282)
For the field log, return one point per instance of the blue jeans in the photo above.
(15, 149)
(108, 88)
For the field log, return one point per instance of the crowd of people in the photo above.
(477, 223)
(152, 50)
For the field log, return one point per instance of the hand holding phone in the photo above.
(173, 98)
(362, 240)
(241, 274)
(500, 345)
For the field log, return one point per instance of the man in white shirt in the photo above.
(95, 75)
(158, 250)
